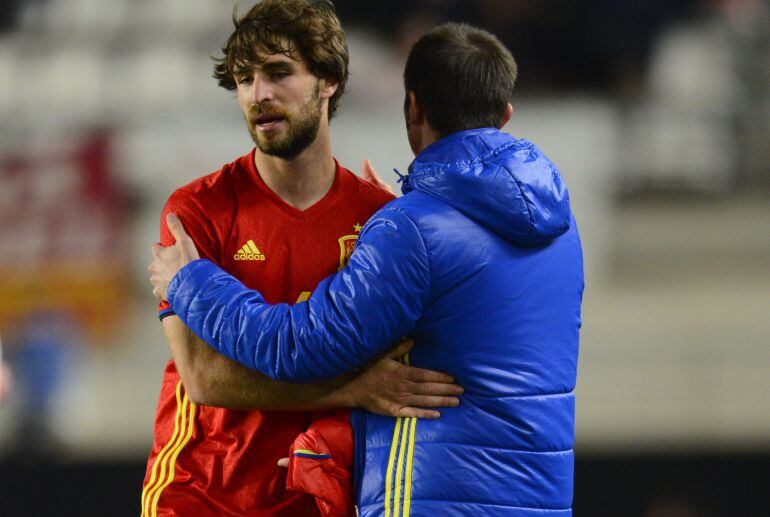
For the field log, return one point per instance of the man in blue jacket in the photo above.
(480, 262)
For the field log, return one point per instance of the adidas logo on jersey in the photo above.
(249, 251)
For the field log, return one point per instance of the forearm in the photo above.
(214, 380)
(277, 340)
(255, 391)
(336, 331)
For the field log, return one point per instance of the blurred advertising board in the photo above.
(63, 234)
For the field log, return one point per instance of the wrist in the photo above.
(346, 394)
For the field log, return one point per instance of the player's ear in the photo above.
(414, 112)
(327, 88)
(507, 115)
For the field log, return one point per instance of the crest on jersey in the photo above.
(347, 245)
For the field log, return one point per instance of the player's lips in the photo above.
(268, 123)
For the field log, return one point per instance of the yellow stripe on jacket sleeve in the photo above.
(409, 465)
(409, 459)
(402, 457)
(160, 458)
(389, 471)
(400, 466)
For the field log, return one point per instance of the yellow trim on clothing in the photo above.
(152, 500)
(311, 453)
(172, 461)
(402, 457)
(166, 458)
(389, 471)
(409, 465)
(400, 467)
(162, 454)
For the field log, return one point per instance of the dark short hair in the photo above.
(311, 30)
(462, 76)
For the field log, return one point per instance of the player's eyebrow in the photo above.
(272, 66)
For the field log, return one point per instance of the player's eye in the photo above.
(279, 75)
(244, 79)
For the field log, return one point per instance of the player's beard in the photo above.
(301, 129)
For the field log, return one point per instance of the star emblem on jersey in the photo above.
(249, 251)
(347, 245)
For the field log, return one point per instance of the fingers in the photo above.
(427, 401)
(440, 389)
(157, 280)
(415, 412)
(160, 253)
(401, 349)
(159, 287)
(184, 242)
(368, 172)
(423, 375)
(176, 228)
(158, 293)
(417, 374)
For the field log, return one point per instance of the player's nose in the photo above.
(261, 91)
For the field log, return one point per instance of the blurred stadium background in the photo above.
(657, 113)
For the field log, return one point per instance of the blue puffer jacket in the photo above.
(481, 263)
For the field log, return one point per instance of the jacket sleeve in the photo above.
(350, 317)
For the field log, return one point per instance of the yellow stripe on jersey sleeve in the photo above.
(175, 454)
(160, 458)
(152, 501)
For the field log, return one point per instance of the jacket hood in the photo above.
(506, 184)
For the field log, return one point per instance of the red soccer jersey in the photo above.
(213, 461)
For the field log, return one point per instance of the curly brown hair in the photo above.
(304, 29)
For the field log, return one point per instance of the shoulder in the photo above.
(394, 233)
(396, 217)
(416, 206)
(214, 188)
(207, 206)
(367, 190)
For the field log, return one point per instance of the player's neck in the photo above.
(304, 180)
